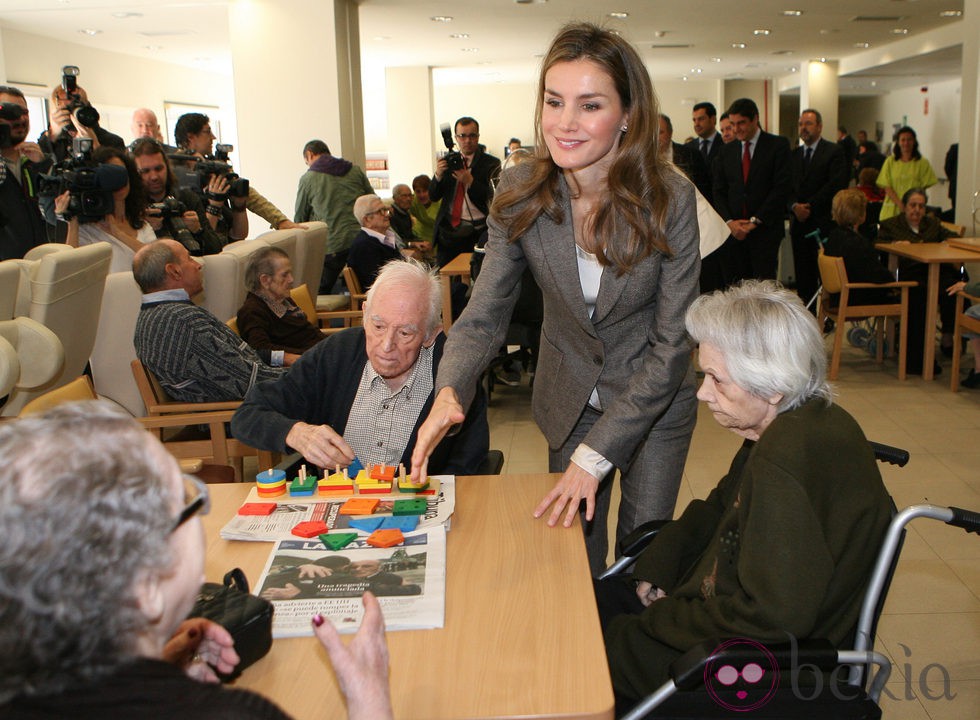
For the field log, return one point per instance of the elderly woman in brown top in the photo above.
(269, 320)
(914, 225)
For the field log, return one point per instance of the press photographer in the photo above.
(21, 224)
(103, 201)
(64, 124)
(194, 137)
(463, 182)
(173, 211)
(72, 115)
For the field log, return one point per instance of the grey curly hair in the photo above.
(84, 513)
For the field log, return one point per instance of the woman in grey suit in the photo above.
(610, 233)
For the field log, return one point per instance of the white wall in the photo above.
(677, 100)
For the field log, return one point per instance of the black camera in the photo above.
(87, 115)
(453, 159)
(169, 207)
(11, 112)
(91, 185)
(172, 211)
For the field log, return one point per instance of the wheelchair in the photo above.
(798, 679)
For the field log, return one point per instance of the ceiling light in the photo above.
(154, 48)
(659, 33)
(762, 31)
(793, 69)
(684, 78)
(781, 52)
(460, 36)
(951, 13)
(715, 59)
(124, 15)
(822, 59)
(470, 49)
(738, 45)
(696, 70)
(619, 15)
(874, 83)
(441, 18)
(900, 31)
(88, 31)
(864, 45)
(792, 13)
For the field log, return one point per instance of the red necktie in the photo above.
(746, 162)
(457, 211)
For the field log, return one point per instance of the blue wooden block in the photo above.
(405, 523)
(354, 468)
(366, 523)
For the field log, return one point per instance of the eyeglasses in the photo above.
(467, 136)
(197, 499)
(382, 211)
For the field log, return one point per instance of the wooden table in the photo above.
(933, 254)
(521, 637)
(459, 267)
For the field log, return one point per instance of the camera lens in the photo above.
(88, 116)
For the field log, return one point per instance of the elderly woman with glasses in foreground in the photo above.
(102, 558)
(785, 542)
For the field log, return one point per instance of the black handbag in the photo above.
(246, 617)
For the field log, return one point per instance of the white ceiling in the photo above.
(506, 37)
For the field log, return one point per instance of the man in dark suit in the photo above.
(465, 193)
(819, 171)
(688, 160)
(751, 183)
(708, 141)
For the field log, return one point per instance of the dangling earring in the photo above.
(624, 128)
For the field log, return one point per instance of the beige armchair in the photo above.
(31, 357)
(224, 277)
(65, 295)
(114, 350)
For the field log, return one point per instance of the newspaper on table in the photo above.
(303, 578)
(293, 510)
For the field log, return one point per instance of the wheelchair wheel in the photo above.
(859, 336)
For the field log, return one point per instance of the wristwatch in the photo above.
(755, 221)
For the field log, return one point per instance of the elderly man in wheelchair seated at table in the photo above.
(786, 541)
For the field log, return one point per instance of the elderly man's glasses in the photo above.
(380, 210)
(197, 499)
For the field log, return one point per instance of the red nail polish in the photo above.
(317, 620)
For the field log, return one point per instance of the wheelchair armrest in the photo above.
(687, 671)
(889, 454)
(635, 542)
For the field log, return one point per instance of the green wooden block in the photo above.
(410, 507)
(336, 541)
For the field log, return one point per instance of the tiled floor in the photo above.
(931, 622)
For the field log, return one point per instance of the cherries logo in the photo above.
(744, 688)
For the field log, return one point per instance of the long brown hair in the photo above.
(629, 226)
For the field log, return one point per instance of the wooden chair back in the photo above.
(833, 276)
(957, 230)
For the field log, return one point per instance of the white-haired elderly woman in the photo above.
(102, 557)
(269, 320)
(786, 540)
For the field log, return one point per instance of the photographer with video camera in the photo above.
(104, 202)
(463, 182)
(194, 137)
(21, 224)
(210, 178)
(172, 211)
(70, 115)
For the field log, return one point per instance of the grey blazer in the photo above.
(634, 349)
